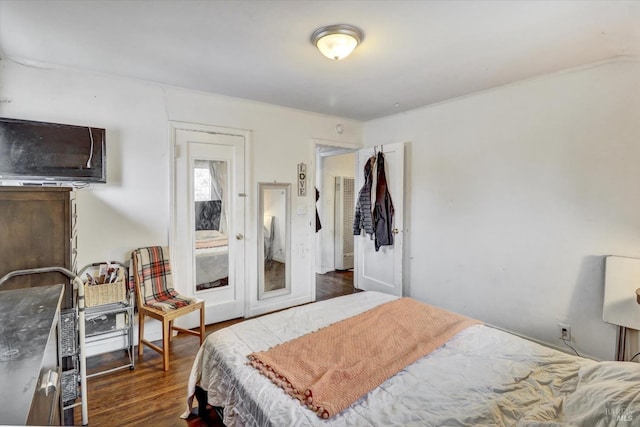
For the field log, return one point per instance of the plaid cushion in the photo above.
(154, 274)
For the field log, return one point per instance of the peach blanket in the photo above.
(329, 369)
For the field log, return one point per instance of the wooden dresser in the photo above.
(37, 229)
(29, 357)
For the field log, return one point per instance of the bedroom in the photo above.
(515, 193)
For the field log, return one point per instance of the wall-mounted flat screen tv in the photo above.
(33, 151)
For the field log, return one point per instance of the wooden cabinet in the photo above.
(37, 229)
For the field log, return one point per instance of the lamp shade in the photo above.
(336, 41)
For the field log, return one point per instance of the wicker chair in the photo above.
(150, 273)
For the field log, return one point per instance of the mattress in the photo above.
(481, 376)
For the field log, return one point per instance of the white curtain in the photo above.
(218, 171)
(218, 183)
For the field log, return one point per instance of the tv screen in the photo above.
(50, 152)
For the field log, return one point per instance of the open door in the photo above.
(382, 270)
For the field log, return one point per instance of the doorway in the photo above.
(335, 182)
(373, 270)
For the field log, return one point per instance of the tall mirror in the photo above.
(274, 236)
(211, 240)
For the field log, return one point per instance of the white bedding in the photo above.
(482, 376)
(212, 264)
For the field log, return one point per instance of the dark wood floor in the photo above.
(274, 275)
(333, 284)
(150, 396)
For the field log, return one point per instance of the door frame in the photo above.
(344, 147)
(174, 127)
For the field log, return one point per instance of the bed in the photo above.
(211, 246)
(212, 259)
(480, 376)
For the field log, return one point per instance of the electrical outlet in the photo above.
(564, 332)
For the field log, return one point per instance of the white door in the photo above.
(382, 270)
(209, 248)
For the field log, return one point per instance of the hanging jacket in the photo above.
(362, 219)
(318, 224)
(383, 208)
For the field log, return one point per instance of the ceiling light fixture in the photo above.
(337, 41)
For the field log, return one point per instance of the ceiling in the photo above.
(414, 53)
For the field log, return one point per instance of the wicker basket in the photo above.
(106, 293)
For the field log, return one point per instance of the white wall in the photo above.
(133, 210)
(518, 193)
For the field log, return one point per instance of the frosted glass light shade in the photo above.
(336, 41)
(336, 46)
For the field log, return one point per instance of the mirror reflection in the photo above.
(273, 236)
(211, 250)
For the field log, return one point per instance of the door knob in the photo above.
(239, 236)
